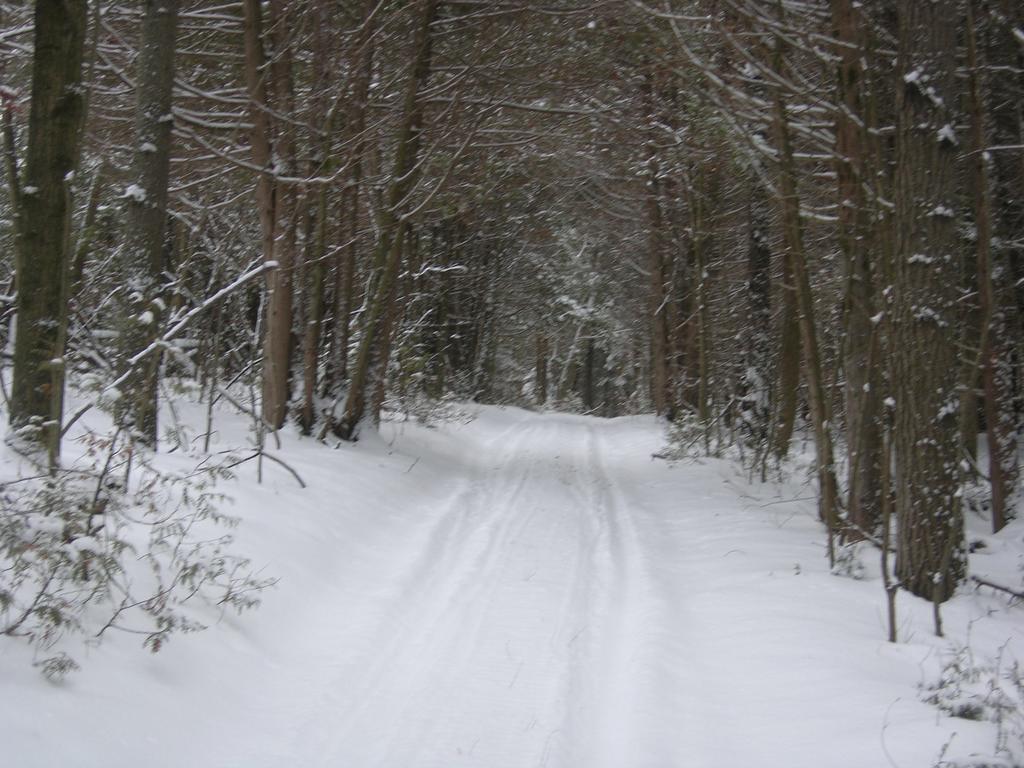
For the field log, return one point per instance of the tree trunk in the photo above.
(863, 439)
(995, 349)
(147, 215)
(755, 397)
(930, 558)
(348, 255)
(43, 219)
(1005, 60)
(661, 385)
(315, 251)
(698, 241)
(789, 362)
(277, 339)
(541, 385)
(260, 139)
(793, 230)
(374, 347)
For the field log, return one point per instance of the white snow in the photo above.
(946, 133)
(913, 76)
(519, 591)
(135, 192)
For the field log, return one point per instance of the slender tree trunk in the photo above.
(316, 252)
(999, 419)
(793, 229)
(661, 386)
(84, 242)
(260, 139)
(316, 229)
(541, 386)
(789, 361)
(698, 242)
(374, 347)
(755, 397)
(277, 339)
(147, 214)
(860, 366)
(43, 216)
(930, 559)
(348, 256)
(1004, 56)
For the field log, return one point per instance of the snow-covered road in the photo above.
(521, 591)
(515, 636)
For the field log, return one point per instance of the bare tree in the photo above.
(930, 543)
(146, 231)
(43, 211)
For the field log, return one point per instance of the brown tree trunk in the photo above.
(277, 339)
(996, 378)
(930, 559)
(348, 255)
(316, 224)
(43, 216)
(260, 139)
(316, 252)
(793, 230)
(660, 384)
(860, 366)
(541, 388)
(700, 261)
(755, 395)
(374, 347)
(789, 362)
(146, 231)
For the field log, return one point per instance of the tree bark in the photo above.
(793, 230)
(374, 347)
(277, 340)
(995, 349)
(147, 215)
(660, 347)
(541, 384)
(930, 558)
(43, 219)
(755, 395)
(315, 252)
(789, 362)
(349, 256)
(860, 366)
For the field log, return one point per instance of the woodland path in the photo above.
(516, 638)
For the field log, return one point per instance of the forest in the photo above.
(247, 242)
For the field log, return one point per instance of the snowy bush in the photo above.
(848, 561)
(989, 691)
(114, 543)
(426, 410)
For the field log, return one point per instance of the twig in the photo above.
(999, 587)
(263, 454)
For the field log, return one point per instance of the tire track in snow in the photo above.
(414, 606)
(520, 633)
(630, 722)
(474, 669)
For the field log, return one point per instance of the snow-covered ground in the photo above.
(523, 591)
